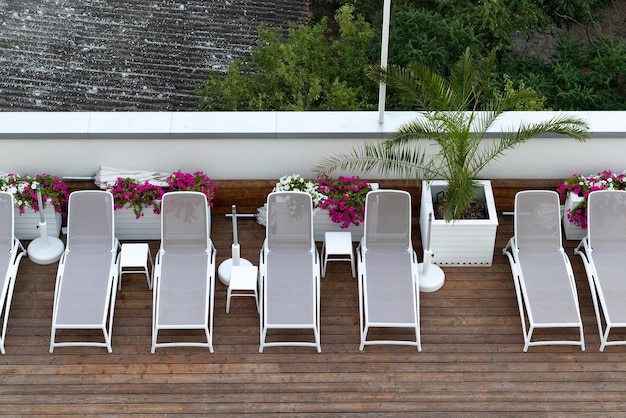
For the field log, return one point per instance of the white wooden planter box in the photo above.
(128, 227)
(462, 242)
(322, 224)
(572, 231)
(27, 224)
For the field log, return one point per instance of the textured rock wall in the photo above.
(108, 55)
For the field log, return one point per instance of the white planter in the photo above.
(462, 242)
(572, 231)
(128, 227)
(322, 224)
(27, 224)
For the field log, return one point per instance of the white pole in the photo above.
(384, 52)
(43, 227)
(235, 238)
(235, 247)
(428, 255)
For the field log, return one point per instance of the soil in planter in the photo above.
(476, 210)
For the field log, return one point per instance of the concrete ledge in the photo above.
(267, 145)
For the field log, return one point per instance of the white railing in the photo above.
(267, 145)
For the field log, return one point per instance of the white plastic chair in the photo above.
(542, 273)
(387, 269)
(184, 274)
(289, 271)
(603, 252)
(10, 257)
(86, 284)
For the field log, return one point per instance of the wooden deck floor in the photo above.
(472, 362)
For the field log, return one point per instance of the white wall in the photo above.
(267, 145)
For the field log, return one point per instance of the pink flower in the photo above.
(583, 185)
(345, 199)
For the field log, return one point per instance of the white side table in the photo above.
(337, 244)
(243, 279)
(136, 257)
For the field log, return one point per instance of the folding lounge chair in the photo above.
(542, 273)
(388, 269)
(603, 252)
(289, 270)
(84, 295)
(184, 279)
(10, 257)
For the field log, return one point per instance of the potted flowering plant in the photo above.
(338, 204)
(293, 182)
(575, 190)
(54, 196)
(53, 192)
(345, 199)
(130, 193)
(132, 198)
(194, 182)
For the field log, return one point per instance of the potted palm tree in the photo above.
(458, 112)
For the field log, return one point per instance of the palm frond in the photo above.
(571, 126)
(383, 157)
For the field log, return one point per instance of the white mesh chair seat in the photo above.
(183, 302)
(289, 272)
(84, 300)
(85, 290)
(389, 289)
(184, 273)
(288, 304)
(542, 273)
(603, 252)
(11, 253)
(610, 267)
(546, 280)
(387, 269)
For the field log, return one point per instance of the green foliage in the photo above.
(460, 110)
(435, 32)
(429, 38)
(309, 70)
(580, 77)
(533, 102)
(571, 11)
(609, 60)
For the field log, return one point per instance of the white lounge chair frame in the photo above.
(291, 242)
(395, 288)
(603, 252)
(91, 249)
(13, 251)
(542, 273)
(172, 306)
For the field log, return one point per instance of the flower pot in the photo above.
(571, 230)
(322, 224)
(464, 242)
(128, 227)
(27, 223)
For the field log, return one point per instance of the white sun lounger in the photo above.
(542, 273)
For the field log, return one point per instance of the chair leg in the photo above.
(52, 335)
(324, 260)
(228, 296)
(352, 264)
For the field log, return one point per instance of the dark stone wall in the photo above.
(114, 55)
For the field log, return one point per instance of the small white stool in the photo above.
(337, 244)
(135, 256)
(243, 279)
